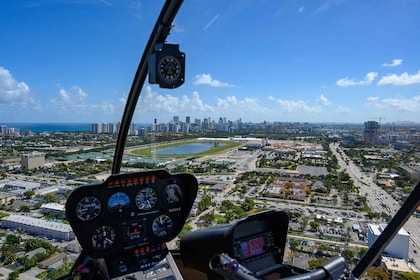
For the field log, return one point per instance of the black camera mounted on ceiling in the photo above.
(167, 66)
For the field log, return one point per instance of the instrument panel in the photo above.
(131, 214)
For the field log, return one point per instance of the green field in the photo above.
(227, 145)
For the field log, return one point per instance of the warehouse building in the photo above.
(38, 227)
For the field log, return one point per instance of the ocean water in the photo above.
(51, 127)
(55, 127)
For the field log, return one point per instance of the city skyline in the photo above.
(256, 61)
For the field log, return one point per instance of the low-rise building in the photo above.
(53, 208)
(397, 248)
(19, 187)
(288, 188)
(32, 161)
(394, 266)
(38, 227)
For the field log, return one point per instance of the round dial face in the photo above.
(88, 208)
(173, 193)
(146, 199)
(162, 225)
(103, 237)
(169, 68)
(118, 202)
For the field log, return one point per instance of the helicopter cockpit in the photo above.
(124, 223)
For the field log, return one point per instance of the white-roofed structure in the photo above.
(38, 227)
(397, 248)
(18, 186)
(394, 266)
(53, 208)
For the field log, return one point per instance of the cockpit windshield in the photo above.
(126, 126)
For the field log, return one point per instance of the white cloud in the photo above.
(228, 102)
(410, 105)
(71, 101)
(206, 79)
(405, 105)
(164, 106)
(401, 80)
(346, 82)
(154, 102)
(292, 106)
(12, 91)
(395, 62)
(73, 104)
(301, 9)
(373, 101)
(231, 102)
(79, 91)
(323, 100)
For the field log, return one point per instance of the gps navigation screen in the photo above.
(253, 247)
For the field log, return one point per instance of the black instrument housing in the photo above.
(130, 216)
(268, 230)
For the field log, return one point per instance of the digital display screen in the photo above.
(253, 247)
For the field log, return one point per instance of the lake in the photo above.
(191, 148)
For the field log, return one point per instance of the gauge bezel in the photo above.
(100, 231)
(154, 196)
(173, 194)
(157, 228)
(96, 213)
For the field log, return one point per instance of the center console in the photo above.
(257, 242)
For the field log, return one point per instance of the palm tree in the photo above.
(412, 262)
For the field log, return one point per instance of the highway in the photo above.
(377, 199)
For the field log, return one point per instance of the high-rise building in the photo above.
(133, 129)
(207, 123)
(96, 128)
(371, 132)
(3, 130)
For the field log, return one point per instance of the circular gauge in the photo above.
(88, 208)
(169, 68)
(162, 225)
(146, 198)
(103, 237)
(118, 202)
(134, 231)
(173, 193)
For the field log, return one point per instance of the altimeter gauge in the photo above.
(88, 208)
(162, 225)
(146, 199)
(103, 237)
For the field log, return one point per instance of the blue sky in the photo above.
(255, 60)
